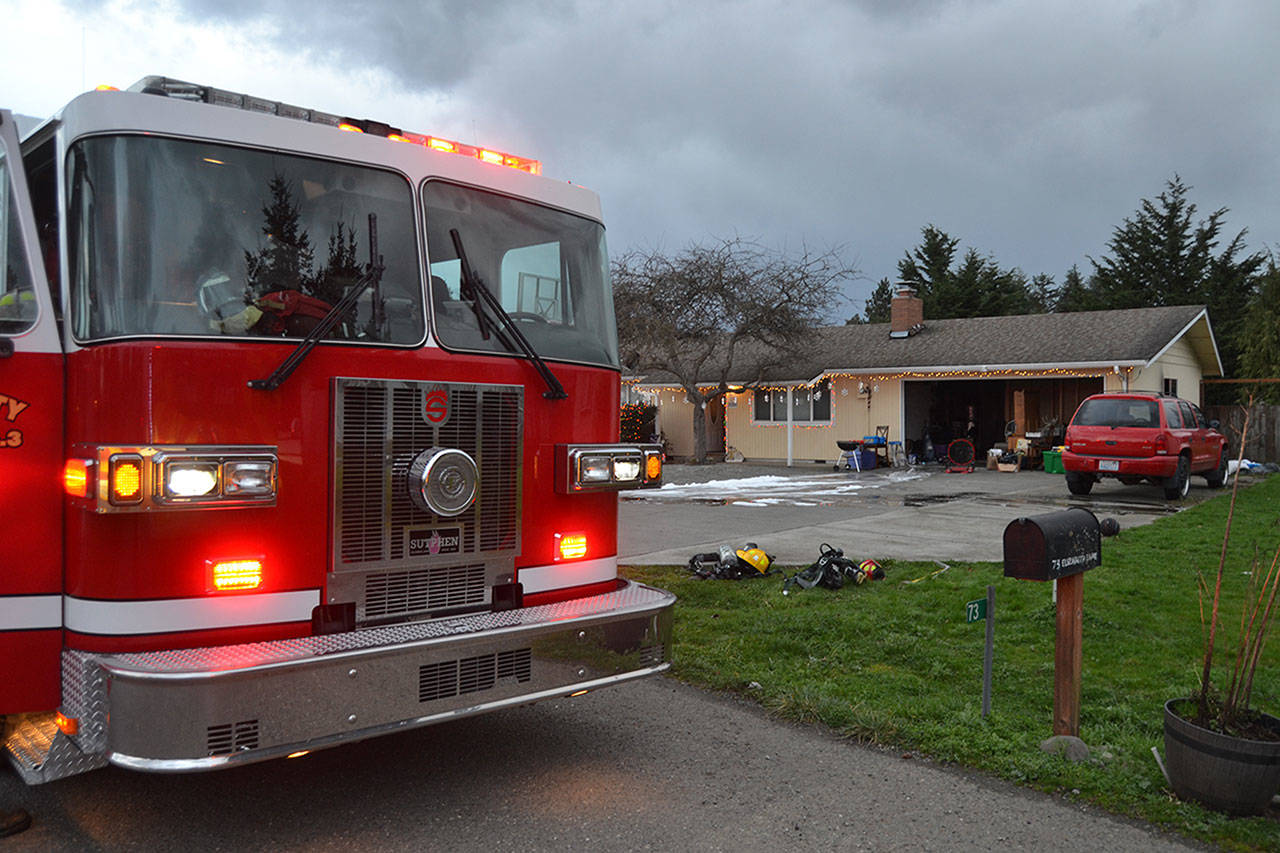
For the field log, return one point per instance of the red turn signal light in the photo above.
(570, 546)
(235, 575)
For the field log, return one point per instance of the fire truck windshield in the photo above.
(549, 270)
(176, 237)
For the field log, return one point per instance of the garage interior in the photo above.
(990, 412)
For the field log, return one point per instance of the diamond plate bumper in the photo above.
(207, 708)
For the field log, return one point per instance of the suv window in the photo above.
(1188, 416)
(1118, 412)
(1172, 416)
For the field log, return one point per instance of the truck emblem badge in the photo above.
(436, 407)
(428, 543)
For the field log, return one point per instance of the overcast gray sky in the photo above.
(1028, 130)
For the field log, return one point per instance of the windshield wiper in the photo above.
(371, 277)
(474, 288)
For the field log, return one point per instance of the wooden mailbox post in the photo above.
(1059, 546)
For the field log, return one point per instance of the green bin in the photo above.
(1053, 462)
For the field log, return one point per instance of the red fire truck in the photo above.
(310, 434)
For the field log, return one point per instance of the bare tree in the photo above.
(719, 313)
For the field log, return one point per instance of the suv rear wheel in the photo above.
(1177, 486)
(1078, 483)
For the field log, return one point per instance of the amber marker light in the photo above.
(349, 128)
(69, 726)
(75, 477)
(570, 546)
(126, 479)
(653, 467)
(235, 575)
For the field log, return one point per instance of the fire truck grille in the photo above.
(228, 738)
(381, 427)
(394, 593)
(450, 678)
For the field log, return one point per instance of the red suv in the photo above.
(1137, 437)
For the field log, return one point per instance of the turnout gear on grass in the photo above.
(749, 561)
(832, 570)
(871, 570)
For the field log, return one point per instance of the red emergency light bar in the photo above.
(157, 85)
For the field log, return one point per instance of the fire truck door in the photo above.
(31, 406)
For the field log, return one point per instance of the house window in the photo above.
(770, 405)
(809, 404)
(1171, 387)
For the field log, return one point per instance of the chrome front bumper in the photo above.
(207, 708)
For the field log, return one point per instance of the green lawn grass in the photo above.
(895, 663)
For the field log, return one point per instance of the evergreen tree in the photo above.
(877, 309)
(928, 267)
(978, 287)
(1260, 352)
(1075, 294)
(1042, 294)
(285, 262)
(341, 270)
(1162, 256)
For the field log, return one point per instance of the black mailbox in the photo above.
(1051, 546)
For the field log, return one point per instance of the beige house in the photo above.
(990, 379)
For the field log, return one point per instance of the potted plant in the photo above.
(1218, 750)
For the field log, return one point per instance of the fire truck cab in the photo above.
(310, 434)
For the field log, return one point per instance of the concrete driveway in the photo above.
(916, 513)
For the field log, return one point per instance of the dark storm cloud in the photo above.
(1027, 129)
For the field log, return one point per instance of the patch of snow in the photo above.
(767, 490)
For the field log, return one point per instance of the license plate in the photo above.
(1108, 465)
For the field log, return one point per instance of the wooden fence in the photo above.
(1263, 442)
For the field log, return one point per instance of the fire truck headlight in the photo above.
(593, 469)
(248, 479)
(604, 467)
(175, 477)
(190, 479)
(626, 469)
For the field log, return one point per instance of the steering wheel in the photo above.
(528, 317)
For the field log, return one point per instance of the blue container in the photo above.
(868, 459)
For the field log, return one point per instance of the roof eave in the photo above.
(1211, 344)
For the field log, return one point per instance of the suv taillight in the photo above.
(1162, 443)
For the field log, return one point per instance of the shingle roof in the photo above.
(1128, 336)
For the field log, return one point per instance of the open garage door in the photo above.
(981, 409)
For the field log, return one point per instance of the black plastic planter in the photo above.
(1229, 774)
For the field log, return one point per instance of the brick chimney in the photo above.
(906, 312)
